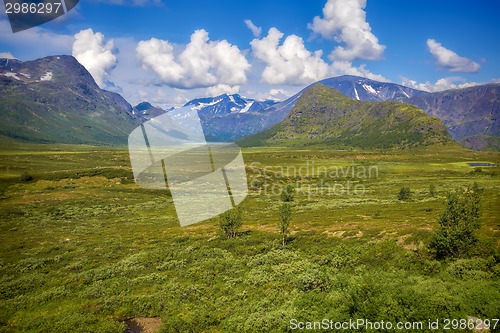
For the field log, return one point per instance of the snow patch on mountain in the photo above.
(13, 75)
(356, 92)
(46, 77)
(370, 89)
(247, 107)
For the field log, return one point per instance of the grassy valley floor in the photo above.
(83, 249)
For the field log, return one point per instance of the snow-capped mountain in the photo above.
(227, 104)
(363, 89)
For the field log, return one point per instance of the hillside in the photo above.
(55, 99)
(472, 115)
(323, 115)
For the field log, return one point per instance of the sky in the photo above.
(168, 52)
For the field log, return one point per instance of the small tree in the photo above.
(25, 177)
(288, 193)
(285, 216)
(404, 193)
(432, 190)
(458, 224)
(230, 221)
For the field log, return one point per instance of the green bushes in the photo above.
(230, 221)
(285, 211)
(26, 177)
(456, 235)
(432, 190)
(404, 193)
(288, 193)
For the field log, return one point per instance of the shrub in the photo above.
(230, 221)
(285, 216)
(456, 235)
(404, 193)
(288, 193)
(432, 190)
(25, 177)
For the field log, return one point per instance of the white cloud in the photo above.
(275, 94)
(94, 54)
(289, 63)
(345, 22)
(221, 89)
(7, 55)
(256, 31)
(446, 83)
(292, 64)
(346, 68)
(202, 63)
(449, 60)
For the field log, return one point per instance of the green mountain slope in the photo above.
(55, 100)
(472, 115)
(323, 115)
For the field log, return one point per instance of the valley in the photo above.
(83, 248)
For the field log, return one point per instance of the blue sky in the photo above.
(168, 52)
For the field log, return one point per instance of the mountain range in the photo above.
(55, 99)
(471, 115)
(227, 104)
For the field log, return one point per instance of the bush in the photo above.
(404, 193)
(230, 221)
(285, 216)
(25, 177)
(432, 190)
(456, 235)
(288, 193)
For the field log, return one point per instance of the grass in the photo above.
(83, 249)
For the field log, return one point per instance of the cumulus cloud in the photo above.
(346, 68)
(289, 63)
(202, 63)
(345, 22)
(450, 61)
(94, 54)
(255, 29)
(221, 89)
(7, 55)
(276, 94)
(446, 83)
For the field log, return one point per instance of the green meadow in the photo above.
(84, 249)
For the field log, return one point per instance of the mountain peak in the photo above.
(55, 99)
(143, 106)
(62, 69)
(361, 88)
(146, 111)
(226, 104)
(323, 115)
